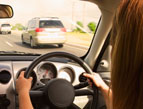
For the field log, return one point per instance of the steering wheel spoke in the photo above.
(36, 93)
(83, 92)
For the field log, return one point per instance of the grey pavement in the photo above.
(13, 43)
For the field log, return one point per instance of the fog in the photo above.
(68, 11)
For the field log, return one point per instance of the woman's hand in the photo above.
(97, 80)
(23, 85)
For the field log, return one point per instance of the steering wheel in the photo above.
(59, 93)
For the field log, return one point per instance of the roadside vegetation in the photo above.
(18, 26)
(91, 26)
(81, 37)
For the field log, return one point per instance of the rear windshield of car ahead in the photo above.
(5, 25)
(50, 24)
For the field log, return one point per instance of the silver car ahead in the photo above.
(43, 31)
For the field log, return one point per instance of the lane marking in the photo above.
(9, 44)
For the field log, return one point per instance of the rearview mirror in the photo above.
(6, 11)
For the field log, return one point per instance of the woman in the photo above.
(127, 58)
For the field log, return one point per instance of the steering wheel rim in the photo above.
(57, 54)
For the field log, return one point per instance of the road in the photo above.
(13, 43)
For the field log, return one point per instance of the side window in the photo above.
(33, 24)
(29, 24)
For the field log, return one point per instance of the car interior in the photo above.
(58, 82)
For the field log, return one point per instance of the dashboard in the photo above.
(42, 73)
(46, 71)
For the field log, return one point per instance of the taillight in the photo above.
(63, 29)
(39, 29)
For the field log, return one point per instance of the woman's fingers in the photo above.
(88, 76)
(89, 82)
(95, 78)
(30, 79)
(22, 74)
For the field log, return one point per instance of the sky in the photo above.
(69, 11)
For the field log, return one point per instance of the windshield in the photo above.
(51, 24)
(42, 26)
(5, 25)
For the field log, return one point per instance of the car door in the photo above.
(31, 30)
(26, 33)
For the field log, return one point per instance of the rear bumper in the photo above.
(42, 40)
(5, 30)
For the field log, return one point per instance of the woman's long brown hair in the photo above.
(127, 56)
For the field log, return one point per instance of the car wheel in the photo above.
(22, 39)
(60, 45)
(9, 32)
(32, 43)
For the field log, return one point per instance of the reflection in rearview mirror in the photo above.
(6, 11)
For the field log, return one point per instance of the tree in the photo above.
(18, 26)
(80, 24)
(92, 26)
